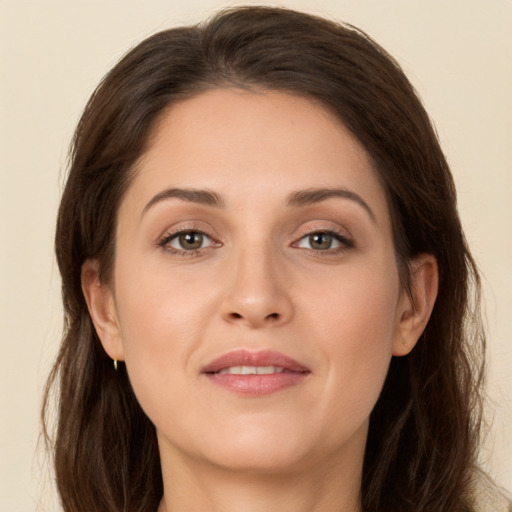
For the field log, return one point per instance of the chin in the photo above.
(277, 449)
(246, 447)
(270, 458)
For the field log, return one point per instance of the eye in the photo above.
(323, 241)
(187, 241)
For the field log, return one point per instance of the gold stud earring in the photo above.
(115, 365)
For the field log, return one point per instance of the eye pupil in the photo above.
(191, 240)
(320, 241)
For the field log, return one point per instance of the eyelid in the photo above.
(342, 236)
(171, 234)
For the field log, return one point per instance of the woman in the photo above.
(267, 288)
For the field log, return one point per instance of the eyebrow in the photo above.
(317, 195)
(296, 199)
(199, 196)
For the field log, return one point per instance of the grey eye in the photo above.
(320, 241)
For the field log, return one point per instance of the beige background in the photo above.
(458, 53)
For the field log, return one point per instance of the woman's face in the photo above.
(256, 299)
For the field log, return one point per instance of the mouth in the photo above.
(251, 370)
(255, 373)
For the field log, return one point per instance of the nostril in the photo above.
(271, 316)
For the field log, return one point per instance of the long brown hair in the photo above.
(424, 430)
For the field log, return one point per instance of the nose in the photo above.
(257, 294)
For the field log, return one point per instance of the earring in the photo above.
(115, 365)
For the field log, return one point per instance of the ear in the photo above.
(415, 306)
(101, 305)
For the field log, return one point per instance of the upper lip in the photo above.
(248, 358)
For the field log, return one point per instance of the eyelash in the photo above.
(169, 237)
(345, 242)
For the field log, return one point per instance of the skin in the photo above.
(257, 282)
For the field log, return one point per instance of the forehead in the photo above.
(253, 145)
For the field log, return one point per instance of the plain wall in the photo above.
(457, 53)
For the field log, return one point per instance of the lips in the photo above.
(257, 359)
(255, 373)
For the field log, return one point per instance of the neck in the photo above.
(196, 485)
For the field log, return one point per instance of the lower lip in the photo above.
(257, 385)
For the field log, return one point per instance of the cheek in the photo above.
(158, 317)
(164, 313)
(158, 309)
(356, 319)
(357, 309)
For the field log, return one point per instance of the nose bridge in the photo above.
(257, 294)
